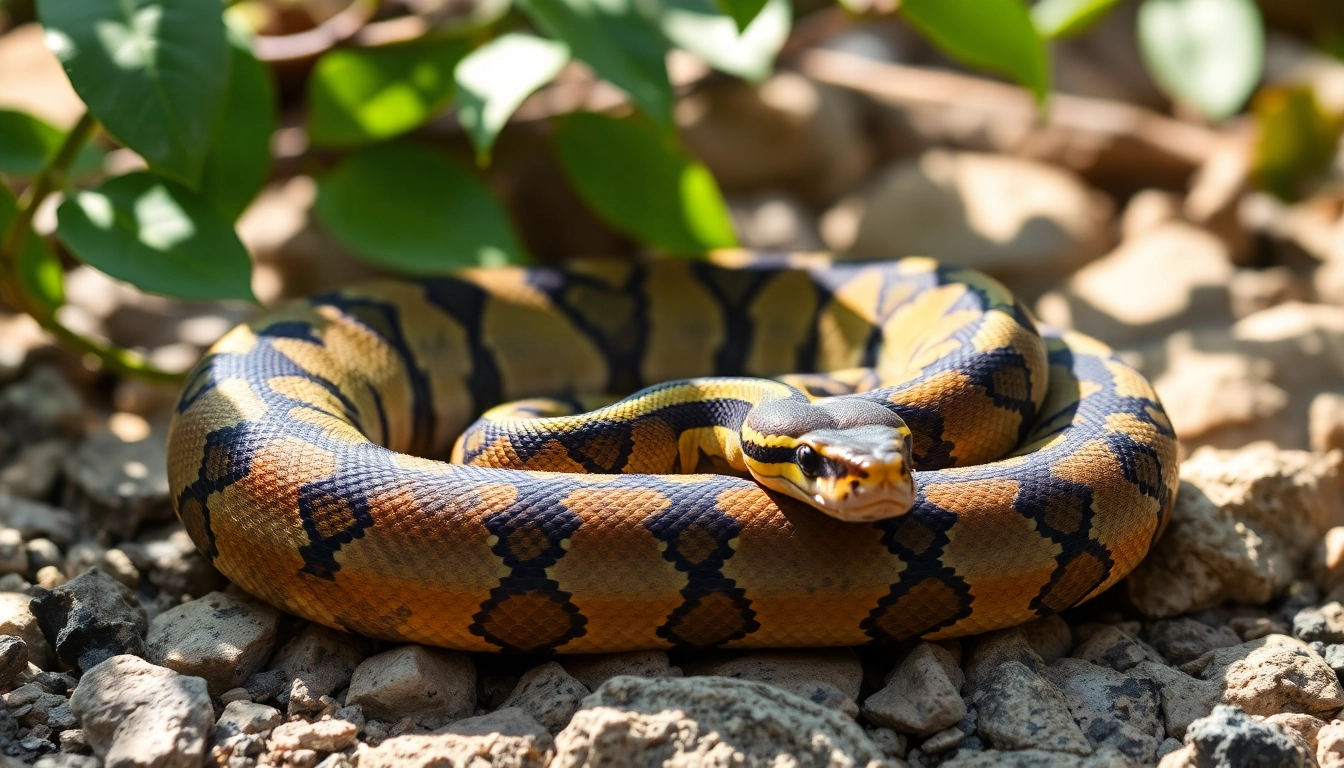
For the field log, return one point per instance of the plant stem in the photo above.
(50, 178)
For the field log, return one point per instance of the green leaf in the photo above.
(617, 41)
(240, 160)
(698, 27)
(1069, 18)
(39, 269)
(363, 95)
(995, 35)
(1295, 141)
(414, 209)
(157, 235)
(27, 143)
(495, 78)
(642, 183)
(152, 71)
(1204, 53)
(743, 12)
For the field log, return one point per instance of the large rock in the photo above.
(595, 670)
(923, 695)
(718, 720)
(1229, 738)
(1113, 709)
(137, 715)
(1243, 524)
(549, 694)
(34, 519)
(315, 663)
(90, 619)
(117, 485)
(1274, 674)
(416, 682)
(1003, 215)
(1185, 639)
(506, 738)
(1019, 709)
(1117, 300)
(830, 677)
(222, 638)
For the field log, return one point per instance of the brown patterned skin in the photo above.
(302, 460)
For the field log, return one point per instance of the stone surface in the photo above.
(416, 682)
(138, 715)
(1325, 422)
(1036, 758)
(1116, 299)
(991, 650)
(316, 662)
(830, 677)
(222, 638)
(1006, 216)
(1184, 639)
(17, 619)
(923, 695)
(1324, 624)
(595, 670)
(1112, 709)
(1270, 675)
(1228, 738)
(90, 619)
(1110, 647)
(1185, 699)
(1050, 637)
(321, 736)
(697, 720)
(1019, 709)
(548, 694)
(34, 518)
(1330, 745)
(1243, 522)
(506, 738)
(116, 485)
(13, 658)
(245, 718)
(1327, 560)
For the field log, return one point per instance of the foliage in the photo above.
(177, 82)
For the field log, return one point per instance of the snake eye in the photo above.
(808, 460)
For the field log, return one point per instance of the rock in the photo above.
(1021, 710)
(1229, 738)
(1302, 728)
(548, 694)
(1327, 560)
(789, 133)
(1183, 639)
(1050, 637)
(1109, 647)
(1146, 210)
(41, 406)
(1324, 624)
(1330, 745)
(774, 221)
(633, 721)
(43, 553)
(1111, 708)
(13, 555)
(1271, 675)
(923, 696)
(246, 718)
(1242, 524)
(1003, 215)
(416, 682)
(176, 568)
(593, 671)
(17, 619)
(265, 686)
(506, 738)
(13, 658)
(942, 741)
(220, 637)
(116, 486)
(1185, 699)
(1254, 627)
(828, 677)
(1101, 298)
(91, 619)
(1325, 422)
(33, 472)
(993, 649)
(321, 736)
(135, 714)
(33, 519)
(1254, 290)
(893, 744)
(318, 661)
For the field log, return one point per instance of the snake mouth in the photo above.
(864, 503)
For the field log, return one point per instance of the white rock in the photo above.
(1271, 675)
(506, 738)
(137, 715)
(222, 638)
(416, 682)
(18, 620)
(321, 736)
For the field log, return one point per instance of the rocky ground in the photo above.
(120, 645)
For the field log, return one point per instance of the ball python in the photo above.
(307, 457)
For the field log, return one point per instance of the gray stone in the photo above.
(993, 649)
(416, 682)
(13, 658)
(176, 568)
(34, 519)
(548, 694)
(1229, 738)
(1109, 647)
(1050, 637)
(1270, 675)
(43, 553)
(220, 637)
(137, 715)
(942, 741)
(317, 662)
(1036, 758)
(1021, 710)
(91, 619)
(33, 472)
(1114, 709)
(1185, 699)
(1184, 639)
(264, 686)
(637, 722)
(922, 697)
(507, 738)
(116, 486)
(245, 718)
(830, 677)
(13, 554)
(1255, 627)
(593, 671)
(1324, 624)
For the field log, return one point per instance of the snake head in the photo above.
(852, 463)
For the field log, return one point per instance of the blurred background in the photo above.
(1165, 175)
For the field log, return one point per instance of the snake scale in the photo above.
(306, 458)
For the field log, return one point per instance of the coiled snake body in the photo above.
(302, 458)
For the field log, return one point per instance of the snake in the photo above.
(816, 453)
